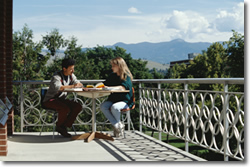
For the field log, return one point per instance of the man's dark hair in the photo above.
(67, 62)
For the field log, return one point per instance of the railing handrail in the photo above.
(184, 80)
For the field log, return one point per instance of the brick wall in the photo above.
(9, 66)
(3, 140)
(6, 13)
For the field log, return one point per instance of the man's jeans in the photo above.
(112, 111)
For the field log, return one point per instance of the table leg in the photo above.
(92, 135)
(103, 136)
(93, 114)
(83, 136)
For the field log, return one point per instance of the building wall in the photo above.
(191, 56)
(6, 14)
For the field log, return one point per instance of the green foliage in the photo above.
(95, 63)
(54, 41)
(235, 55)
(99, 58)
(52, 68)
(72, 51)
(28, 63)
(156, 75)
(17, 126)
(216, 62)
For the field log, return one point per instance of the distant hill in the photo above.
(159, 55)
(163, 52)
(158, 66)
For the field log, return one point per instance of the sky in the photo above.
(106, 22)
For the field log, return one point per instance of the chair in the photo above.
(3, 112)
(48, 111)
(127, 112)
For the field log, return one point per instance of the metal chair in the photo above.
(127, 112)
(4, 110)
(49, 111)
(128, 118)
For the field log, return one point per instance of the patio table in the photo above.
(94, 93)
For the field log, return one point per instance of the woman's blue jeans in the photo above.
(112, 111)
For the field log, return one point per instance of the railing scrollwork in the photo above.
(211, 119)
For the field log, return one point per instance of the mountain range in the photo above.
(163, 52)
(159, 55)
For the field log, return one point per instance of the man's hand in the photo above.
(78, 85)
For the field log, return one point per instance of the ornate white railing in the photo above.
(211, 119)
(33, 115)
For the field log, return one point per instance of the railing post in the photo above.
(159, 111)
(140, 116)
(225, 122)
(186, 115)
(21, 107)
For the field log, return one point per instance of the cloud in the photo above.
(190, 25)
(134, 10)
(228, 20)
(187, 23)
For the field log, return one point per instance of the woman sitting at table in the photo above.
(120, 78)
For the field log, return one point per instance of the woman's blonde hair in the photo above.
(123, 68)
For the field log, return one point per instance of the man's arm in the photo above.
(77, 85)
(58, 84)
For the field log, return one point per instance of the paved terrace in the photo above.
(135, 147)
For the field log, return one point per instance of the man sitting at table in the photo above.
(56, 100)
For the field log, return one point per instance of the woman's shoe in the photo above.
(116, 132)
(121, 128)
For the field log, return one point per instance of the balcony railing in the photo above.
(210, 119)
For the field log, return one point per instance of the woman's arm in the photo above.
(116, 87)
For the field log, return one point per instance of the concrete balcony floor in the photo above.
(135, 147)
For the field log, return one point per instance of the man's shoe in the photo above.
(63, 131)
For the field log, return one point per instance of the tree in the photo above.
(210, 64)
(56, 65)
(28, 63)
(72, 50)
(177, 71)
(216, 60)
(198, 67)
(100, 58)
(235, 55)
(54, 41)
